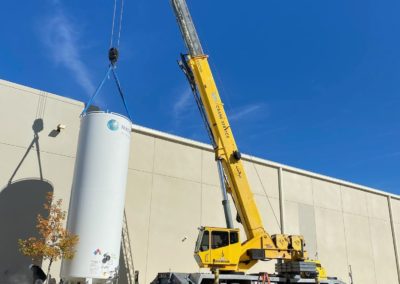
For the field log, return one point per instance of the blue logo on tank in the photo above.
(113, 125)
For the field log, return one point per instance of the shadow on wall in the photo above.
(123, 270)
(20, 203)
(37, 127)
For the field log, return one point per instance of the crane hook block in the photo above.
(113, 55)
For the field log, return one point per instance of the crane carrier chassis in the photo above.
(209, 278)
(294, 272)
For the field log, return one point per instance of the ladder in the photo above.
(127, 253)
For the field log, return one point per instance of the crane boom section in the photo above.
(220, 247)
(226, 149)
(225, 145)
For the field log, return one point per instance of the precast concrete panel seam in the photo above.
(178, 178)
(174, 177)
(201, 188)
(264, 195)
(25, 91)
(347, 212)
(40, 110)
(393, 229)
(370, 239)
(326, 208)
(340, 182)
(281, 201)
(150, 211)
(41, 151)
(344, 231)
(316, 206)
(38, 93)
(78, 105)
(315, 219)
(322, 207)
(365, 216)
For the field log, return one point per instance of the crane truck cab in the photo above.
(220, 248)
(217, 247)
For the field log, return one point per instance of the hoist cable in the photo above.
(120, 22)
(203, 115)
(113, 23)
(113, 55)
(118, 25)
(265, 191)
(183, 64)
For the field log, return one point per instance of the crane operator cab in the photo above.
(218, 248)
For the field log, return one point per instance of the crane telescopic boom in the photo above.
(225, 146)
(259, 244)
(220, 248)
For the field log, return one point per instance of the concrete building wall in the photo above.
(173, 188)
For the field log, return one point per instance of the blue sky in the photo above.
(312, 84)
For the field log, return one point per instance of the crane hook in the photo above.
(113, 55)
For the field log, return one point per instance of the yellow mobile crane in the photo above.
(220, 249)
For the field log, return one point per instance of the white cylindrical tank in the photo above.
(98, 196)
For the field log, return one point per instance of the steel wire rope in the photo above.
(113, 23)
(203, 115)
(120, 22)
(112, 66)
(263, 188)
(118, 25)
(225, 92)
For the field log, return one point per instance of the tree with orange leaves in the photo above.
(54, 241)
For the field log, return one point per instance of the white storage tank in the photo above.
(98, 197)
